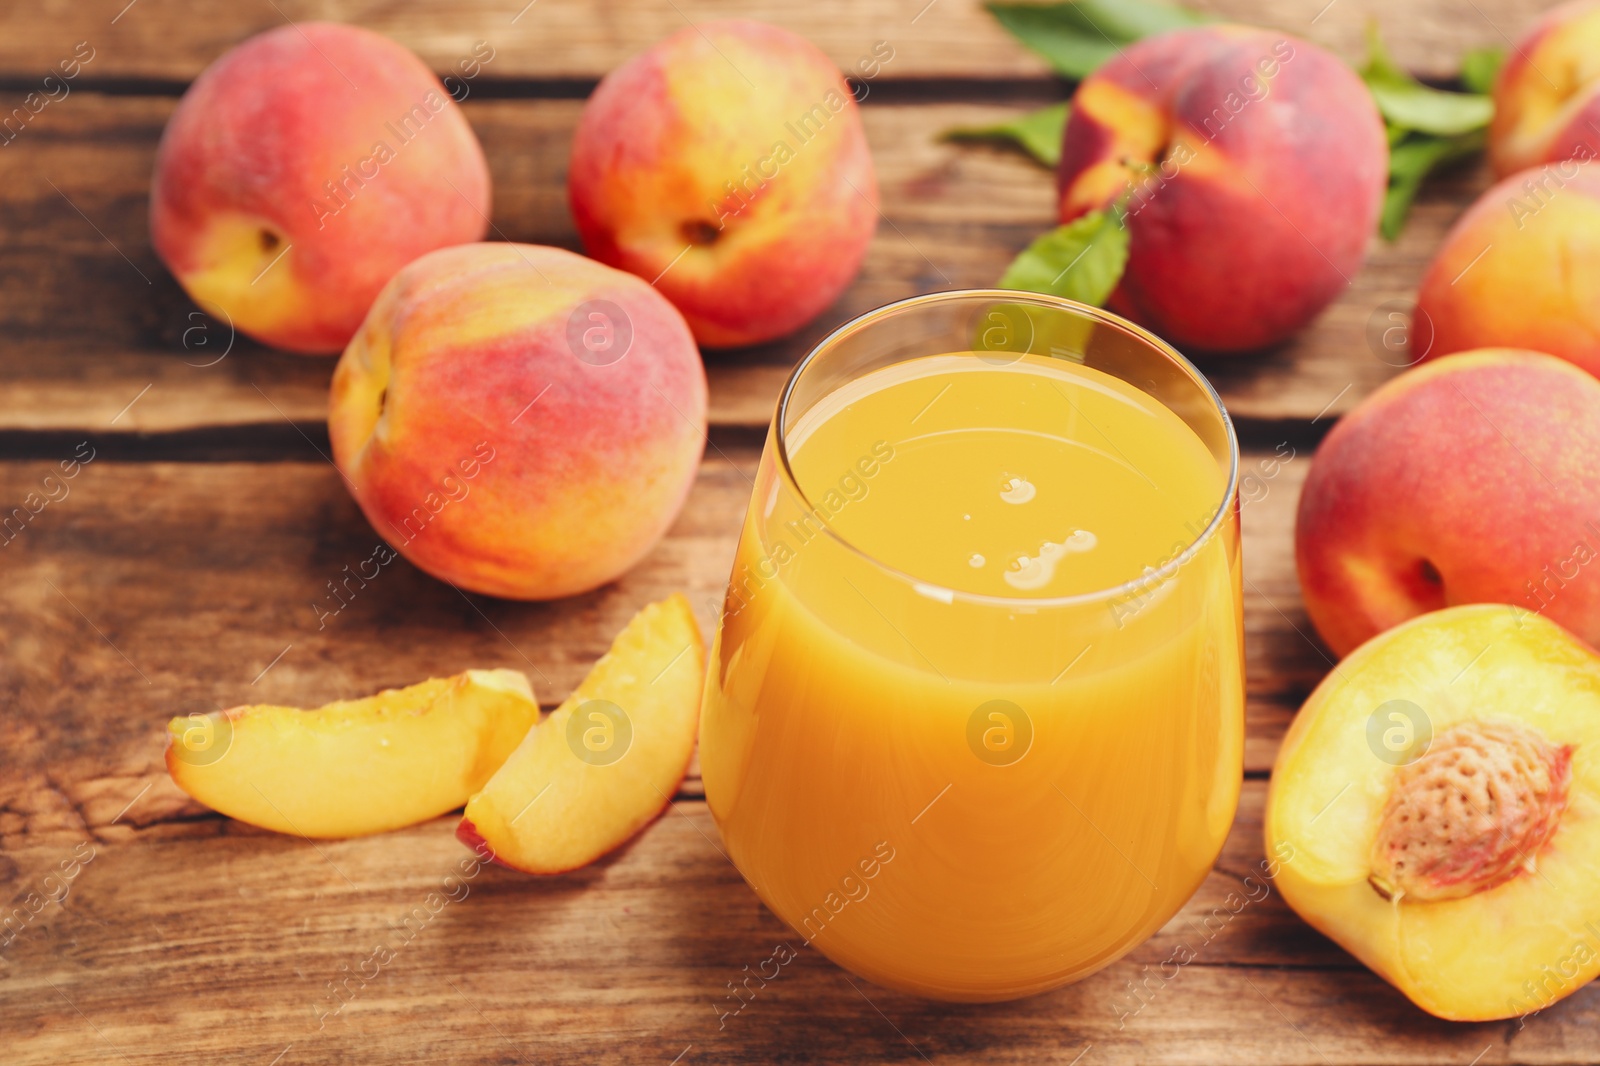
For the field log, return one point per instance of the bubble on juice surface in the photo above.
(1035, 572)
(977, 561)
(1018, 490)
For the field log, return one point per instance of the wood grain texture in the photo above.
(149, 590)
(173, 40)
(93, 319)
(212, 942)
(173, 577)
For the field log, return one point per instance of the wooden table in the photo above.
(180, 569)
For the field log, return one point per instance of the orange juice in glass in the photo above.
(974, 720)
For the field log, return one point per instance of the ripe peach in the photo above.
(1254, 166)
(1521, 269)
(1432, 811)
(1547, 96)
(519, 420)
(301, 170)
(727, 165)
(1473, 478)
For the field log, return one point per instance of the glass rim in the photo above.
(940, 593)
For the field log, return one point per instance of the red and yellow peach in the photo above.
(1252, 166)
(1521, 269)
(728, 166)
(1474, 478)
(301, 170)
(1547, 96)
(519, 420)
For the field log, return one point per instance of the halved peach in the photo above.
(605, 762)
(1435, 809)
(354, 767)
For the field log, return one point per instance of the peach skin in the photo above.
(1253, 166)
(1474, 478)
(519, 420)
(1521, 269)
(1547, 96)
(301, 170)
(728, 166)
(1432, 811)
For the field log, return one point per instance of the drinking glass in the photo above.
(974, 797)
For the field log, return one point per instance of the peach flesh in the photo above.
(557, 803)
(1516, 944)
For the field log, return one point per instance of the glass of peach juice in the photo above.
(973, 725)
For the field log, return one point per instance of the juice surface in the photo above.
(948, 792)
(1036, 479)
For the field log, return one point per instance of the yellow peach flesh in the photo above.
(1513, 944)
(354, 767)
(576, 789)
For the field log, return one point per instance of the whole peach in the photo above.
(519, 420)
(1521, 269)
(301, 170)
(1471, 479)
(728, 166)
(1547, 96)
(1252, 166)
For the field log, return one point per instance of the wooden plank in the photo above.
(154, 589)
(73, 237)
(173, 40)
(631, 961)
(157, 587)
(1284, 659)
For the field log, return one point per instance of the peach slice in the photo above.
(605, 762)
(354, 767)
(1434, 811)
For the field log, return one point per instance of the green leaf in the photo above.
(1078, 37)
(1404, 101)
(1479, 68)
(1082, 260)
(1412, 160)
(1038, 132)
(1427, 128)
